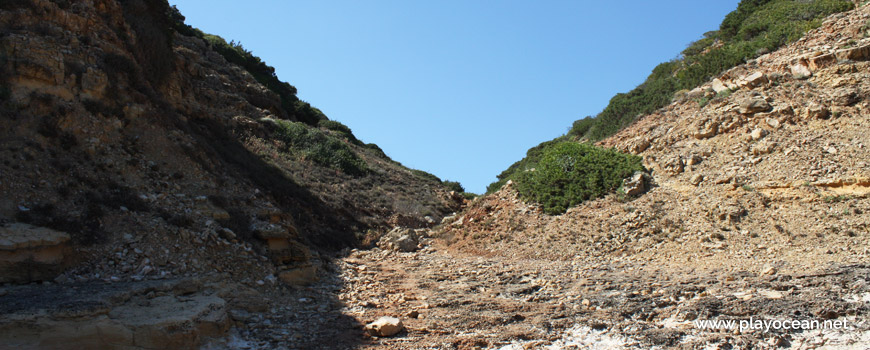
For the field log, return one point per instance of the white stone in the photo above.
(385, 326)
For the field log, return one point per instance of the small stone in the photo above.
(770, 294)
(227, 233)
(385, 326)
(776, 341)
(801, 71)
(768, 270)
(773, 123)
(828, 314)
(757, 134)
(696, 179)
(413, 314)
(818, 111)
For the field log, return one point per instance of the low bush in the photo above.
(315, 145)
(569, 173)
(340, 128)
(454, 186)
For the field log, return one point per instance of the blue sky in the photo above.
(459, 88)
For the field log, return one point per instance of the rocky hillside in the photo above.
(132, 152)
(771, 154)
(757, 179)
(160, 191)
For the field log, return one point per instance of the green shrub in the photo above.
(454, 186)
(334, 126)
(581, 126)
(313, 144)
(533, 155)
(379, 152)
(569, 173)
(340, 128)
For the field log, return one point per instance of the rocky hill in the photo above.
(758, 179)
(158, 194)
(132, 152)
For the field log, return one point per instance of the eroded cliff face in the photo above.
(157, 157)
(132, 153)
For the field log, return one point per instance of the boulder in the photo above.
(705, 127)
(29, 253)
(385, 326)
(752, 80)
(400, 239)
(752, 105)
(636, 184)
(719, 86)
(800, 70)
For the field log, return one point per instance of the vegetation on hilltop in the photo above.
(754, 28)
(235, 53)
(315, 145)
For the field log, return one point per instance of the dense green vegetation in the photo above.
(454, 186)
(754, 28)
(315, 145)
(572, 172)
(533, 155)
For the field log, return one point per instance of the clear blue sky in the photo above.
(459, 88)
